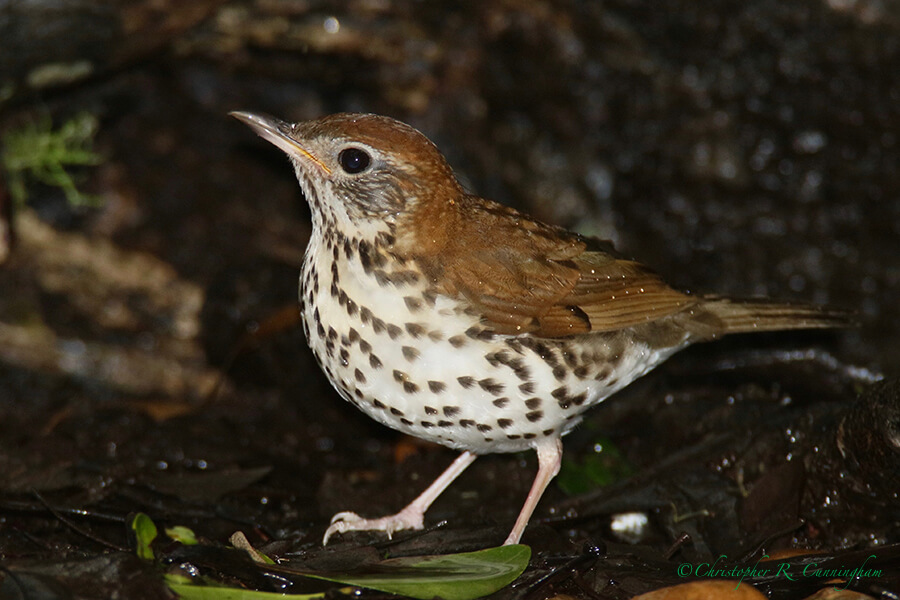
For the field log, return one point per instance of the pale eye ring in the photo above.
(354, 160)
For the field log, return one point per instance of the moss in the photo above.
(36, 152)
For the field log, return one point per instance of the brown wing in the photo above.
(523, 276)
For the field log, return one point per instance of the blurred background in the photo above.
(150, 244)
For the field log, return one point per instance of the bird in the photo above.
(462, 321)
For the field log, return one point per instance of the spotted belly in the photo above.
(420, 363)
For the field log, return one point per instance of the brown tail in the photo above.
(742, 316)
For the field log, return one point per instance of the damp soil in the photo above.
(151, 359)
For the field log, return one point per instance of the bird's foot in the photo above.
(411, 517)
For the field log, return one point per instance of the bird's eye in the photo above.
(354, 160)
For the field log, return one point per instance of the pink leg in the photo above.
(549, 452)
(411, 517)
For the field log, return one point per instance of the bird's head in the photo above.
(360, 172)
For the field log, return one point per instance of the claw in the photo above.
(346, 515)
(408, 518)
(411, 517)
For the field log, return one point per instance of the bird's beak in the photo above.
(277, 132)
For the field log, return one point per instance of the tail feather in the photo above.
(742, 316)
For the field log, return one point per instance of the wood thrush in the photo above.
(467, 323)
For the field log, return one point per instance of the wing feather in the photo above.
(522, 276)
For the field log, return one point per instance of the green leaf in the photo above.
(208, 592)
(463, 576)
(182, 534)
(452, 577)
(605, 466)
(145, 532)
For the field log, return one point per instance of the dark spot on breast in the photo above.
(483, 428)
(379, 259)
(512, 436)
(519, 368)
(479, 333)
(464, 423)
(413, 304)
(581, 372)
(381, 277)
(534, 415)
(430, 410)
(430, 297)
(604, 372)
(533, 403)
(457, 341)
(365, 258)
(466, 382)
(437, 386)
(451, 411)
(426, 424)
(378, 403)
(359, 376)
(352, 335)
(527, 388)
(334, 291)
(396, 411)
(570, 358)
(365, 315)
(377, 325)
(406, 422)
(504, 423)
(548, 431)
(332, 334)
(374, 361)
(529, 436)
(491, 386)
(545, 353)
(345, 357)
(351, 307)
(415, 330)
(408, 277)
(559, 372)
(501, 402)
(515, 345)
(365, 346)
(409, 387)
(560, 392)
(393, 331)
(435, 336)
(445, 423)
(579, 399)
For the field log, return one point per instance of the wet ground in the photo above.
(150, 359)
